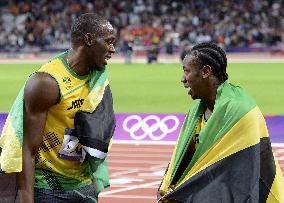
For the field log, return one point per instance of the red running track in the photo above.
(137, 170)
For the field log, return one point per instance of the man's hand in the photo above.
(160, 194)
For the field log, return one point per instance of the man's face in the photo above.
(192, 78)
(103, 47)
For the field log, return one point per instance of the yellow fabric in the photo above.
(65, 77)
(166, 181)
(241, 136)
(96, 94)
(10, 161)
(276, 194)
(60, 117)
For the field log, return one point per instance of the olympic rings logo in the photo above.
(149, 125)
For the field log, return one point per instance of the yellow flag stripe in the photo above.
(276, 194)
(166, 181)
(10, 160)
(94, 98)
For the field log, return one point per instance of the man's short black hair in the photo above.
(211, 54)
(87, 23)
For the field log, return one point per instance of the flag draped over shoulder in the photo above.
(95, 121)
(11, 140)
(234, 161)
(98, 104)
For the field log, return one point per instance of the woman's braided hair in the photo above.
(211, 54)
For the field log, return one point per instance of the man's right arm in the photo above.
(41, 92)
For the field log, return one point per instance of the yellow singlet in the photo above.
(53, 172)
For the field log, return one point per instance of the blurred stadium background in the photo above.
(145, 73)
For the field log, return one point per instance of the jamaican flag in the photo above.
(233, 162)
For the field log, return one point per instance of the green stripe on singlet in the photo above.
(76, 88)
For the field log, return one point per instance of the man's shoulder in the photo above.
(54, 66)
(41, 88)
(41, 80)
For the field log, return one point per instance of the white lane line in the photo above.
(129, 196)
(157, 174)
(126, 180)
(279, 150)
(134, 187)
(127, 167)
(124, 172)
(277, 144)
(155, 167)
(160, 166)
(137, 162)
(278, 154)
(136, 150)
(140, 155)
(141, 176)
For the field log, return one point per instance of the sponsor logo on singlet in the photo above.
(76, 104)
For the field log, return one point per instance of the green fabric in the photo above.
(71, 91)
(58, 182)
(231, 104)
(98, 78)
(16, 114)
(99, 170)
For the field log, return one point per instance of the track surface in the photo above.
(136, 172)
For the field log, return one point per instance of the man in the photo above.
(54, 167)
(223, 153)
